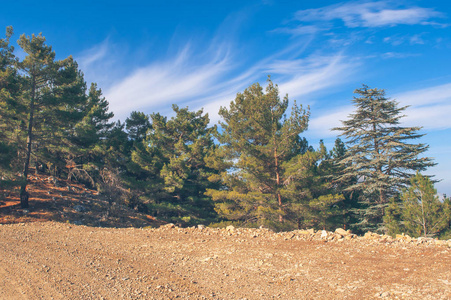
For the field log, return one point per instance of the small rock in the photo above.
(403, 237)
(304, 232)
(230, 228)
(385, 294)
(342, 232)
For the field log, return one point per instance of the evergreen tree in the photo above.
(257, 142)
(423, 213)
(174, 172)
(11, 117)
(88, 143)
(53, 92)
(315, 200)
(393, 217)
(350, 206)
(137, 126)
(9, 107)
(379, 153)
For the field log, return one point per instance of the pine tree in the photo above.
(379, 154)
(53, 92)
(257, 141)
(315, 200)
(173, 166)
(423, 213)
(11, 116)
(88, 143)
(350, 204)
(137, 126)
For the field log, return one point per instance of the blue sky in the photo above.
(147, 55)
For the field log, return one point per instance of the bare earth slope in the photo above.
(50, 260)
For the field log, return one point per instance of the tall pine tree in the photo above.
(257, 142)
(379, 154)
(53, 93)
(11, 110)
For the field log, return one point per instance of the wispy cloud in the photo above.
(212, 77)
(96, 53)
(359, 14)
(388, 55)
(100, 63)
(429, 108)
(321, 123)
(178, 79)
(369, 14)
(313, 73)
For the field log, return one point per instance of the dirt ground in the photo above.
(57, 259)
(50, 260)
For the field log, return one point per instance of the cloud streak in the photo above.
(368, 14)
(428, 107)
(211, 78)
(162, 83)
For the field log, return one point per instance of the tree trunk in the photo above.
(279, 197)
(23, 189)
(423, 218)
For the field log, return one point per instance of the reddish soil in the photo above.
(60, 260)
(59, 203)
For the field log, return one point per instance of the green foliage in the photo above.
(137, 126)
(170, 167)
(315, 200)
(262, 172)
(88, 144)
(257, 142)
(379, 155)
(393, 217)
(53, 93)
(10, 111)
(423, 213)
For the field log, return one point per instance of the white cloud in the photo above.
(94, 54)
(388, 55)
(416, 39)
(429, 107)
(440, 94)
(203, 79)
(372, 17)
(368, 14)
(99, 63)
(321, 126)
(300, 30)
(174, 80)
(313, 74)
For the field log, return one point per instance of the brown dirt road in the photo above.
(51, 260)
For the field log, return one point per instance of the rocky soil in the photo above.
(67, 246)
(51, 260)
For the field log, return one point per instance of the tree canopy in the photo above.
(379, 155)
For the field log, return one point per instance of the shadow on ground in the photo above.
(68, 202)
